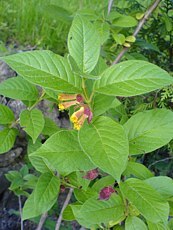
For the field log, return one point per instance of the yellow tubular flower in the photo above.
(66, 105)
(76, 115)
(66, 97)
(77, 126)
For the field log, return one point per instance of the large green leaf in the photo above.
(131, 78)
(135, 223)
(33, 122)
(46, 69)
(163, 184)
(43, 197)
(147, 200)
(7, 139)
(18, 88)
(84, 44)
(63, 153)
(138, 170)
(149, 130)
(96, 211)
(106, 144)
(6, 115)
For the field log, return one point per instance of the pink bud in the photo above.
(90, 117)
(79, 98)
(106, 192)
(92, 174)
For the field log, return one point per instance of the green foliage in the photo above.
(33, 122)
(104, 139)
(6, 115)
(19, 88)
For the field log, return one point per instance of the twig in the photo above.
(20, 211)
(58, 223)
(138, 28)
(165, 159)
(110, 6)
(42, 220)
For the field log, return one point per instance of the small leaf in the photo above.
(18, 88)
(83, 44)
(119, 38)
(130, 39)
(50, 127)
(6, 115)
(147, 200)
(109, 151)
(33, 122)
(46, 69)
(63, 153)
(103, 102)
(139, 16)
(124, 21)
(138, 170)
(131, 78)
(104, 181)
(7, 139)
(134, 223)
(68, 214)
(144, 133)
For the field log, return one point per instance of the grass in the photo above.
(34, 23)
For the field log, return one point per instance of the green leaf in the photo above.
(46, 69)
(147, 200)
(50, 127)
(134, 223)
(163, 184)
(103, 102)
(82, 195)
(138, 170)
(158, 226)
(7, 139)
(144, 133)
(46, 191)
(6, 115)
(103, 182)
(57, 13)
(63, 153)
(18, 88)
(43, 197)
(131, 78)
(68, 214)
(33, 122)
(109, 150)
(96, 211)
(124, 21)
(119, 38)
(83, 44)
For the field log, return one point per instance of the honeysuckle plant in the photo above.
(96, 156)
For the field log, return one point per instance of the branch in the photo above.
(58, 223)
(42, 220)
(138, 28)
(165, 159)
(20, 211)
(110, 6)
